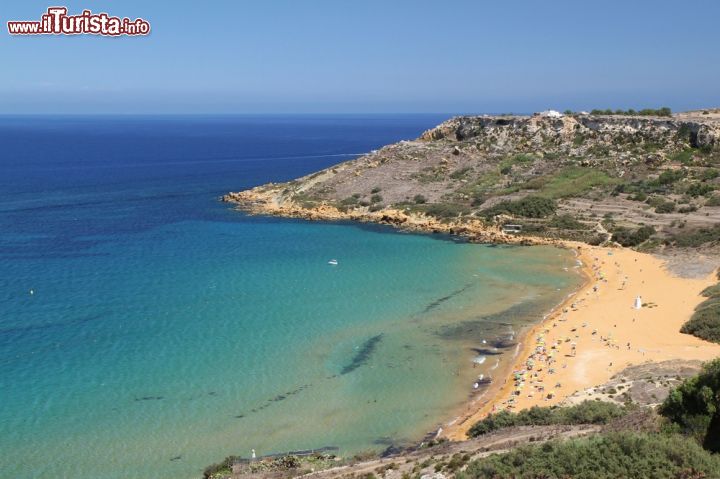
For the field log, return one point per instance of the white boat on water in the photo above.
(333, 262)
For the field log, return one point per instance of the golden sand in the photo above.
(597, 333)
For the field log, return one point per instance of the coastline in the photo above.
(456, 429)
(588, 318)
(609, 334)
(264, 200)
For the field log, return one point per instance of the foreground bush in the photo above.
(587, 412)
(608, 456)
(695, 406)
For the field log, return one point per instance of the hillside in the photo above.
(650, 181)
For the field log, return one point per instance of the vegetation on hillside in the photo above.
(695, 238)
(628, 237)
(664, 111)
(587, 412)
(528, 207)
(694, 407)
(607, 456)
(691, 410)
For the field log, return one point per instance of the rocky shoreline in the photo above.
(261, 201)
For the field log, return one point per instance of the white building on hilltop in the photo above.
(550, 113)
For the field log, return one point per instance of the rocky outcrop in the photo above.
(520, 130)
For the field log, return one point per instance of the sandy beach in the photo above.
(596, 333)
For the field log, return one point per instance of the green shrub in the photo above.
(461, 173)
(628, 237)
(655, 201)
(478, 198)
(687, 209)
(711, 291)
(220, 469)
(420, 199)
(705, 321)
(640, 196)
(665, 207)
(376, 189)
(572, 181)
(698, 237)
(523, 158)
(528, 207)
(695, 406)
(713, 201)
(668, 177)
(566, 222)
(699, 189)
(609, 456)
(587, 412)
(704, 324)
(349, 201)
(664, 111)
(447, 210)
(376, 198)
(709, 174)
(685, 157)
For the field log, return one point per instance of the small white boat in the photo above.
(333, 262)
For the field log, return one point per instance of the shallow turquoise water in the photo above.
(165, 331)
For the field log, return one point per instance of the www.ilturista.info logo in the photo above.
(57, 22)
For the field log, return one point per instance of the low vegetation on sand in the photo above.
(705, 322)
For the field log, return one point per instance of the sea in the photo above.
(148, 329)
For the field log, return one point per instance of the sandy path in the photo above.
(605, 331)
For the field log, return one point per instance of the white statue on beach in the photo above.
(638, 302)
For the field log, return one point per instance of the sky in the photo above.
(367, 56)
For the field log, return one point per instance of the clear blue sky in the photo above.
(308, 56)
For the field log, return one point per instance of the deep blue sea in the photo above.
(147, 329)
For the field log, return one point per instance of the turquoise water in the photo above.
(165, 331)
